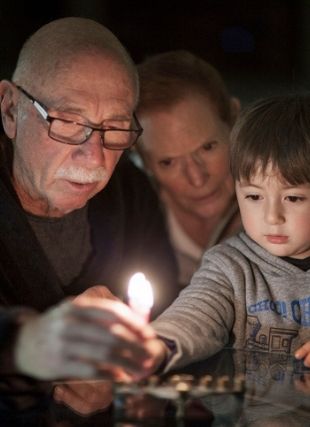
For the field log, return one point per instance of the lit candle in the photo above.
(140, 295)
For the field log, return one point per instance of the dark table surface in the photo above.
(233, 388)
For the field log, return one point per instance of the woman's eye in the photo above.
(253, 197)
(208, 146)
(165, 162)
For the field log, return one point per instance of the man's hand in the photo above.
(88, 397)
(97, 291)
(87, 338)
(85, 397)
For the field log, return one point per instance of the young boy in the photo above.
(253, 291)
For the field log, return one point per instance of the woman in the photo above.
(187, 114)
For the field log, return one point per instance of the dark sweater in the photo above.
(128, 234)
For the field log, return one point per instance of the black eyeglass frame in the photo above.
(43, 111)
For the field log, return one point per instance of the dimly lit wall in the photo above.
(260, 46)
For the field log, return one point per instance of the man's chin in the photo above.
(62, 209)
(69, 203)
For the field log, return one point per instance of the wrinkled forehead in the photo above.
(83, 66)
(93, 64)
(89, 74)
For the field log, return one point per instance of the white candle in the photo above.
(140, 295)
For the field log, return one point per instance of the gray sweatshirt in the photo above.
(241, 297)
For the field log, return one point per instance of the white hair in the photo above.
(53, 46)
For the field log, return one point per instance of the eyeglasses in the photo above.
(75, 133)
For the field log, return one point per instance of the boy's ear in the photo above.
(8, 97)
(235, 107)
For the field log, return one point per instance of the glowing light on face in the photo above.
(140, 295)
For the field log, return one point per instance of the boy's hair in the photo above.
(275, 131)
(167, 78)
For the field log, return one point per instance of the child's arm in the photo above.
(304, 353)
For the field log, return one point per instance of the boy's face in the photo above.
(276, 214)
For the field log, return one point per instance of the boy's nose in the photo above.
(274, 214)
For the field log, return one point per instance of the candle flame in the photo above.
(140, 291)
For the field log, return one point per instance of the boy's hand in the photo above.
(304, 353)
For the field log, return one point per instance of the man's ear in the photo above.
(8, 97)
(235, 107)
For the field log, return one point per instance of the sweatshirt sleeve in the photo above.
(201, 318)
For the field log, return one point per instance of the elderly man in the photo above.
(66, 223)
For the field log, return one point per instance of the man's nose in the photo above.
(274, 213)
(195, 171)
(91, 152)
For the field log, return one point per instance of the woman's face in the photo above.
(186, 148)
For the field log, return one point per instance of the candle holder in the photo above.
(171, 396)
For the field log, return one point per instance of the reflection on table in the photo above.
(233, 388)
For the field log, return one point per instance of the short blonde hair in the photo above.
(167, 78)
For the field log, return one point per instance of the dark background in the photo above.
(260, 46)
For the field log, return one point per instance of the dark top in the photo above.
(303, 264)
(128, 234)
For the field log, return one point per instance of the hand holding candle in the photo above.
(140, 295)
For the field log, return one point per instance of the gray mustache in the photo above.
(81, 175)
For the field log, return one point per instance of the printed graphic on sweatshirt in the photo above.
(297, 310)
(277, 340)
